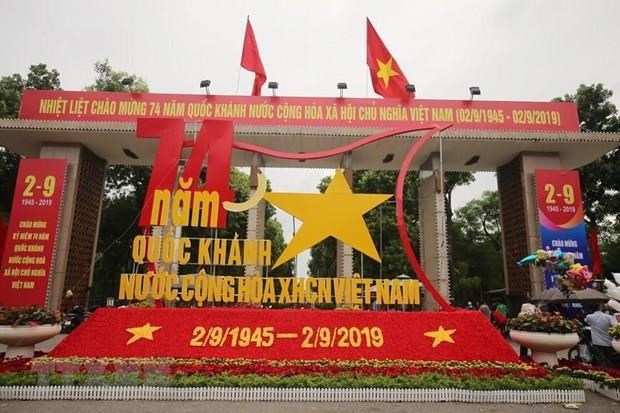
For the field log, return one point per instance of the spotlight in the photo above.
(341, 87)
(205, 84)
(473, 91)
(473, 160)
(127, 81)
(410, 89)
(273, 86)
(130, 153)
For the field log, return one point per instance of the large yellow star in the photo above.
(385, 71)
(146, 332)
(440, 335)
(338, 212)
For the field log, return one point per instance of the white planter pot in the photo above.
(20, 340)
(544, 345)
(616, 345)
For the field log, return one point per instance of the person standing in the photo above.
(502, 308)
(600, 322)
(484, 309)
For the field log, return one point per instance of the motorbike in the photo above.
(73, 319)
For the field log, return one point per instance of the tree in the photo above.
(125, 187)
(453, 179)
(110, 80)
(39, 77)
(477, 258)
(479, 220)
(600, 180)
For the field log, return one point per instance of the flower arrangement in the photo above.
(614, 332)
(28, 316)
(230, 372)
(569, 276)
(540, 322)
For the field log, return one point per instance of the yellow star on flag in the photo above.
(385, 71)
(337, 213)
(440, 336)
(146, 332)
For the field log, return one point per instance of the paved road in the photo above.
(594, 404)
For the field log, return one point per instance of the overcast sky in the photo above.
(514, 50)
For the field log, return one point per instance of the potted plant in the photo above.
(614, 333)
(545, 334)
(23, 327)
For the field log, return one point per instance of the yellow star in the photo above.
(338, 212)
(440, 336)
(146, 332)
(385, 71)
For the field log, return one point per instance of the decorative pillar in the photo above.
(256, 214)
(79, 227)
(344, 252)
(519, 217)
(433, 230)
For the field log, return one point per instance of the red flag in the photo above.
(595, 252)
(250, 59)
(388, 80)
(3, 230)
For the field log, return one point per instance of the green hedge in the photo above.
(428, 381)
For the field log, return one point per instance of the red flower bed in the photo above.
(240, 367)
(287, 335)
(578, 365)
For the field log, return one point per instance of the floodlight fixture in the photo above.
(473, 91)
(410, 88)
(205, 84)
(273, 86)
(473, 160)
(129, 153)
(388, 158)
(341, 87)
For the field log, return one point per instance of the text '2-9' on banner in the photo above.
(300, 111)
(28, 258)
(560, 211)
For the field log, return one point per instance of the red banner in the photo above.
(29, 250)
(300, 111)
(286, 334)
(561, 215)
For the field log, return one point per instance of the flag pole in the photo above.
(239, 71)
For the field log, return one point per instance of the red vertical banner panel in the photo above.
(28, 257)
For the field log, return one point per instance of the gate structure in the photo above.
(91, 130)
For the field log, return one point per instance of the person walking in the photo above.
(600, 322)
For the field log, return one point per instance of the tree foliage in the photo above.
(452, 179)
(477, 249)
(600, 180)
(39, 77)
(381, 222)
(110, 80)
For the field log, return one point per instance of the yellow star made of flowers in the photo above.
(440, 335)
(385, 71)
(146, 332)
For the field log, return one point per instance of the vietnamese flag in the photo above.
(250, 59)
(388, 80)
(595, 252)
